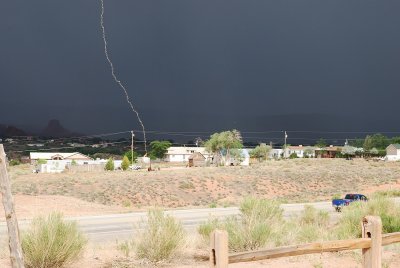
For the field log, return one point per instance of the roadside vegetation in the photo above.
(52, 242)
(261, 224)
(162, 238)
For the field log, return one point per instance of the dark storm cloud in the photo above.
(202, 65)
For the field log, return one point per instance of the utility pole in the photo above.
(133, 135)
(284, 152)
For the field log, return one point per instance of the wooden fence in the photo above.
(371, 244)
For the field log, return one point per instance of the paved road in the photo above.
(120, 227)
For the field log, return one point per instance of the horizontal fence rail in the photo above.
(371, 245)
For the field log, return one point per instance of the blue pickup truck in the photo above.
(338, 204)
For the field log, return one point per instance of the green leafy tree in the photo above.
(159, 149)
(378, 141)
(261, 151)
(349, 151)
(129, 155)
(308, 152)
(125, 163)
(110, 164)
(321, 143)
(395, 140)
(374, 151)
(224, 141)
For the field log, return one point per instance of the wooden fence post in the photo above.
(372, 228)
(219, 249)
(14, 243)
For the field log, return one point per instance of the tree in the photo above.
(159, 149)
(349, 151)
(129, 155)
(308, 152)
(261, 151)
(110, 164)
(378, 141)
(125, 163)
(321, 143)
(395, 140)
(374, 151)
(224, 142)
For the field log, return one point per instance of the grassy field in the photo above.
(297, 180)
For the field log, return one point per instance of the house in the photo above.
(327, 152)
(393, 152)
(301, 151)
(197, 160)
(276, 153)
(182, 154)
(77, 157)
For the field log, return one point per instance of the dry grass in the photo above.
(297, 180)
(52, 242)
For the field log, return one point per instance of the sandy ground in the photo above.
(109, 257)
(298, 180)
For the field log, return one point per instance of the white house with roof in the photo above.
(301, 151)
(69, 157)
(393, 152)
(182, 154)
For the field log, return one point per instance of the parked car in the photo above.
(135, 167)
(338, 204)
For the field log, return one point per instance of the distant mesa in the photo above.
(11, 131)
(54, 129)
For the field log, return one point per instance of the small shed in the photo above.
(393, 152)
(197, 160)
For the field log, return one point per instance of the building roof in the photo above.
(197, 155)
(186, 150)
(37, 156)
(396, 145)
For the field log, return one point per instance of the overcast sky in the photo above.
(202, 65)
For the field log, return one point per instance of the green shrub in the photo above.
(293, 156)
(208, 227)
(349, 224)
(14, 162)
(52, 242)
(41, 161)
(162, 238)
(388, 193)
(260, 222)
(110, 164)
(125, 163)
(312, 225)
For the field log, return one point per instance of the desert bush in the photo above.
(259, 223)
(14, 162)
(387, 209)
(125, 163)
(162, 238)
(388, 193)
(41, 161)
(109, 164)
(293, 156)
(52, 242)
(312, 225)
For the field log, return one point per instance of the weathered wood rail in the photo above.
(14, 241)
(371, 244)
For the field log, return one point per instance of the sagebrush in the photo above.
(52, 242)
(161, 238)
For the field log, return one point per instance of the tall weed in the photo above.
(52, 242)
(162, 238)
